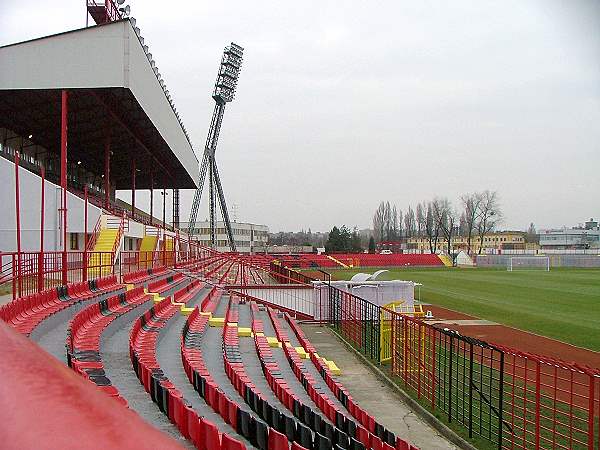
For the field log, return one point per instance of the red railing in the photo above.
(514, 398)
(91, 243)
(38, 271)
(511, 398)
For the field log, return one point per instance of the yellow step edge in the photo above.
(301, 352)
(273, 342)
(185, 311)
(129, 286)
(244, 332)
(206, 313)
(216, 322)
(259, 334)
(232, 324)
(334, 369)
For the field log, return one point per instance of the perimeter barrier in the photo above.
(510, 398)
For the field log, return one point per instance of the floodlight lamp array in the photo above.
(229, 72)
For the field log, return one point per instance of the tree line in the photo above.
(343, 240)
(440, 221)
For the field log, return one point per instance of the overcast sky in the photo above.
(343, 104)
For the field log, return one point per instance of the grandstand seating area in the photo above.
(340, 260)
(260, 381)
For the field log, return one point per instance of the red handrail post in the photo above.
(40, 286)
(14, 276)
(63, 175)
(18, 218)
(85, 233)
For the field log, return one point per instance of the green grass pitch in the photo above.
(563, 304)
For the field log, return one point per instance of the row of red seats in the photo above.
(342, 394)
(308, 260)
(279, 428)
(395, 259)
(141, 276)
(326, 436)
(197, 266)
(199, 376)
(244, 423)
(83, 337)
(164, 284)
(362, 434)
(25, 313)
(345, 432)
(144, 335)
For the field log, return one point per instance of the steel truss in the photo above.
(223, 93)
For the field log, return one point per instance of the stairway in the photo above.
(147, 249)
(337, 261)
(100, 265)
(444, 258)
(169, 245)
(105, 245)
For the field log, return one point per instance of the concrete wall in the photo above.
(30, 193)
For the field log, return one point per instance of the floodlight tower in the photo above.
(224, 92)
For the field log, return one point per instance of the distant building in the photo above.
(393, 246)
(249, 237)
(491, 242)
(576, 238)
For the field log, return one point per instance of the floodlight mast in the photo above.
(223, 93)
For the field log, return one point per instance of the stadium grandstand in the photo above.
(85, 267)
(120, 330)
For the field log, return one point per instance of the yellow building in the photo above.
(500, 240)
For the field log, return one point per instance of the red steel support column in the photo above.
(107, 171)
(63, 175)
(85, 233)
(151, 198)
(41, 255)
(19, 279)
(164, 193)
(133, 188)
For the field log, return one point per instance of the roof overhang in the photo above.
(113, 94)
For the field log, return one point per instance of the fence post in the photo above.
(471, 390)
(450, 380)
(537, 403)
(432, 331)
(591, 413)
(501, 400)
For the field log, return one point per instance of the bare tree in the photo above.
(387, 219)
(409, 223)
(399, 229)
(432, 225)
(447, 220)
(532, 235)
(394, 233)
(421, 219)
(379, 222)
(489, 215)
(471, 203)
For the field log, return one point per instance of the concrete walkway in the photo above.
(376, 397)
